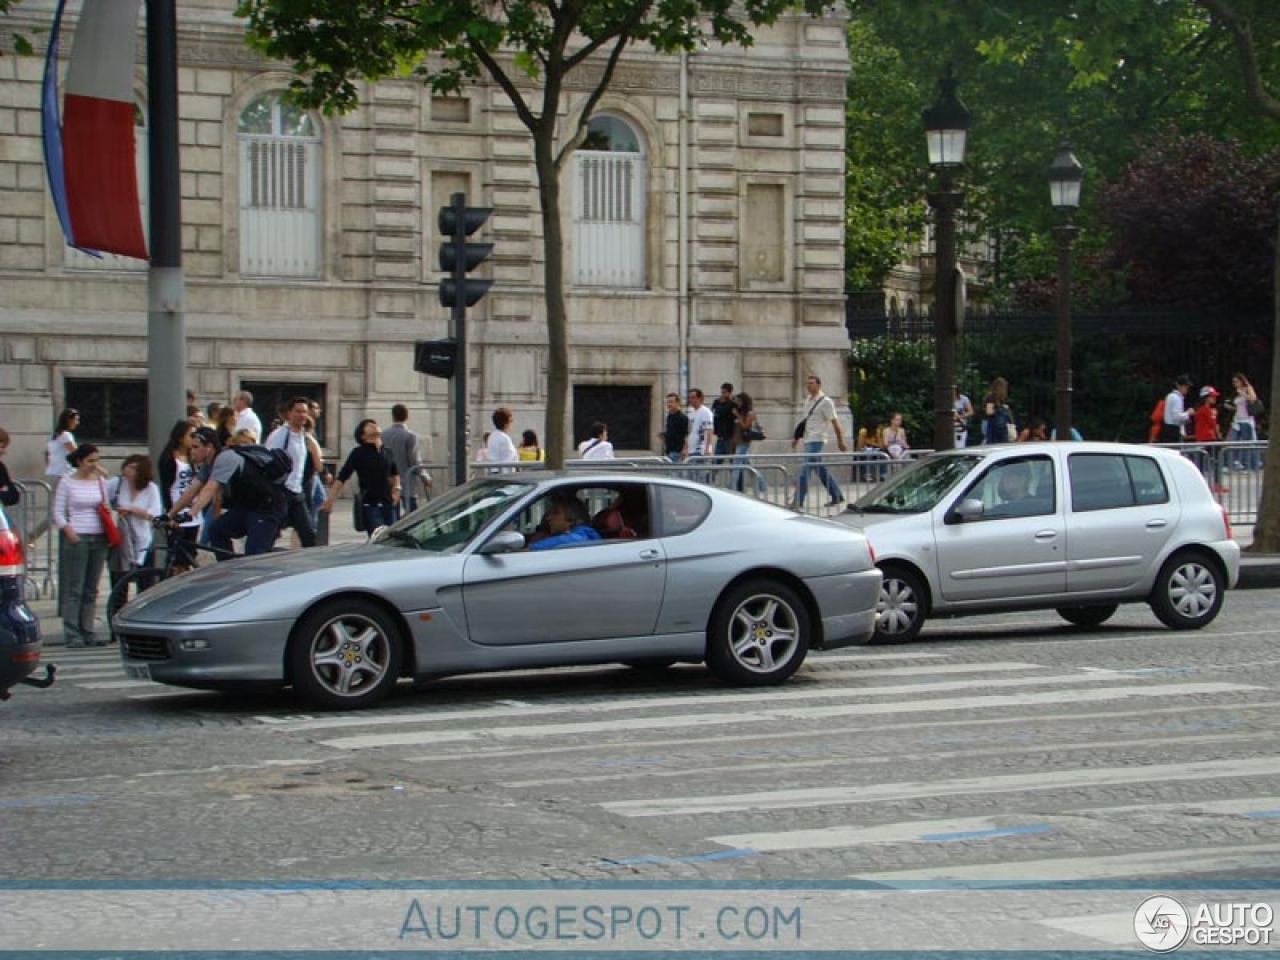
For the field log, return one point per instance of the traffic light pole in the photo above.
(458, 258)
(458, 330)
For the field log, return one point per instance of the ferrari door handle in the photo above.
(650, 554)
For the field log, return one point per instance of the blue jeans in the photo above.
(259, 528)
(1248, 459)
(377, 515)
(739, 476)
(813, 462)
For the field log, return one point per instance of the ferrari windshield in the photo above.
(448, 522)
(919, 487)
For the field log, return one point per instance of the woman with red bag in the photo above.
(82, 550)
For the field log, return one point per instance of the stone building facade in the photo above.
(704, 231)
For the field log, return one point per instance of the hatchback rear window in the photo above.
(1105, 481)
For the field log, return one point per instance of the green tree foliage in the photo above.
(884, 178)
(1099, 73)
(19, 41)
(529, 48)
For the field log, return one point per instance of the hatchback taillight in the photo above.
(1226, 521)
(10, 550)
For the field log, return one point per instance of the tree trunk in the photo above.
(557, 319)
(1266, 531)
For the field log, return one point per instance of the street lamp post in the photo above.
(1065, 176)
(946, 125)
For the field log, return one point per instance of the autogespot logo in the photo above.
(1161, 924)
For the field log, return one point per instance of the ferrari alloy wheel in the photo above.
(1188, 592)
(902, 608)
(759, 634)
(346, 654)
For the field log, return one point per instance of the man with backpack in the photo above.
(251, 479)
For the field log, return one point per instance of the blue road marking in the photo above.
(983, 834)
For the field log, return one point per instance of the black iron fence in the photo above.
(1123, 361)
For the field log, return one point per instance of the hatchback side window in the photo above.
(1016, 488)
(680, 510)
(1148, 481)
(1099, 481)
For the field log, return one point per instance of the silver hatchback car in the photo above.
(1076, 527)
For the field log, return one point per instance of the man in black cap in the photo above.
(1176, 414)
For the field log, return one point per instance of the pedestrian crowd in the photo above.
(218, 479)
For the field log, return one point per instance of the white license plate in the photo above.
(137, 671)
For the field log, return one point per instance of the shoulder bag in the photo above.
(109, 528)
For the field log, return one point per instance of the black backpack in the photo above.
(259, 483)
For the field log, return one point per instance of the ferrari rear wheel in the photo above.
(346, 654)
(759, 634)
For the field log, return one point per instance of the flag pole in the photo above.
(166, 293)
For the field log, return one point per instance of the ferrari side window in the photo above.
(680, 510)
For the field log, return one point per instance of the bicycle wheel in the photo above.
(128, 587)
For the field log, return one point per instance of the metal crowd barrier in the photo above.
(1233, 470)
(1229, 468)
(33, 516)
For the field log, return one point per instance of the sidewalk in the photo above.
(1257, 571)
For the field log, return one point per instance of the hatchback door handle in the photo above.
(1156, 524)
(1047, 535)
(650, 554)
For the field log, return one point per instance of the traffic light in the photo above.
(458, 257)
(435, 358)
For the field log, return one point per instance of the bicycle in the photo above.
(178, 559)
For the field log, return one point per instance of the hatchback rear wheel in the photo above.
(1093, 615)
(1188, 592)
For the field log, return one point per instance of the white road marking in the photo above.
(964, 786)
(1202, 860)
(764, 716)
(827, 691)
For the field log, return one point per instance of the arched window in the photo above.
(279, 190)
(77, 260)
(609, 206)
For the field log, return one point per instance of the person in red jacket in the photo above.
(1207, 431)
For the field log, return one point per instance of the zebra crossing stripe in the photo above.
(826, 691)
(529, 731)
(964, 786)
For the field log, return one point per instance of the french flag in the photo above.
(90, 155)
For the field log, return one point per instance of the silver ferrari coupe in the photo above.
(517, 571)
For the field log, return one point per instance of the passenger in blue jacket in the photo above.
(566, 523)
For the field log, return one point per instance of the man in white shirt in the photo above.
(293, 438)
(1176, 414)
(246, 419)
(501, 448)
(819, 422)
(701, 427)
(597, 446)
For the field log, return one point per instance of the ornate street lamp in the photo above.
(946, 125)
(1065, 176)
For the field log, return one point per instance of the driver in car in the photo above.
(566, 523)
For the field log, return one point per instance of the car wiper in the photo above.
(881, 508)
(399, 536)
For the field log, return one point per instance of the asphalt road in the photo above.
(1002, 751)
